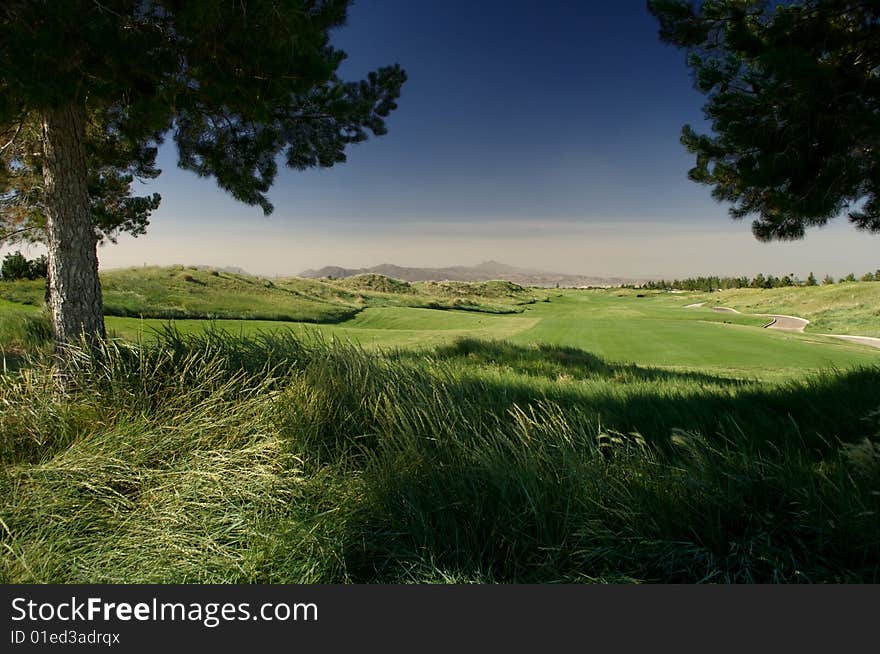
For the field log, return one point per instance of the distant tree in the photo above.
(15, 266)
(786, 281)
(849, 278)
(867, 277)
(758, 281)
(39, 268)
(97, 85)
(792, 93)
(828, 281)
(811, 279)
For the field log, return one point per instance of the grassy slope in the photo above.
(484, 462)
(181, 293)
(849, 308)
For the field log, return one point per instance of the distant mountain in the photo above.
(480, 273)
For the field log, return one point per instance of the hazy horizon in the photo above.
(270, 247)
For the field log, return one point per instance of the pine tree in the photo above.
(792, 93)
(98, 85)
(811, 279)
(15, 266)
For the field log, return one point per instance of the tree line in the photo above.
(715, 283)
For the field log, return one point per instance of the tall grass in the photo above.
(23, 335)
(213, 458)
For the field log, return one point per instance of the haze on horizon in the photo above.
(538, 134)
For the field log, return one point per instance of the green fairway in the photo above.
(655, 330)
(388, 327)
(645, 328)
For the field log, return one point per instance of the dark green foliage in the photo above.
(792, 95)
(811, 280)
(113, 166)
(38, 268)
(16, 266)
(237, 84)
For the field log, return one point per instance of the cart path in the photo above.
(787, 323)
(870, 341)
(797, 324)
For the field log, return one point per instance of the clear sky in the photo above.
(541, 133)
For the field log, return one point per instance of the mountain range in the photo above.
(483, 272)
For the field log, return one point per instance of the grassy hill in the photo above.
(190, 293)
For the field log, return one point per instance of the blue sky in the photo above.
(538, 133)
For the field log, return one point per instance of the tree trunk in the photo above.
(75, 297)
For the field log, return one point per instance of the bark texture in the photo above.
(75, 298)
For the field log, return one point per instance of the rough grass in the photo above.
(23, 331)
(213, 458)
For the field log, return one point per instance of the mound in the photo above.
(377, 283)
(493, 289)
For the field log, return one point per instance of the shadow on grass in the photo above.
(662, 480)
(549, 360)
(817, 411)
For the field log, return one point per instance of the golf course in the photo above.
(241, 429)
(670, 330)
(654, 331)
